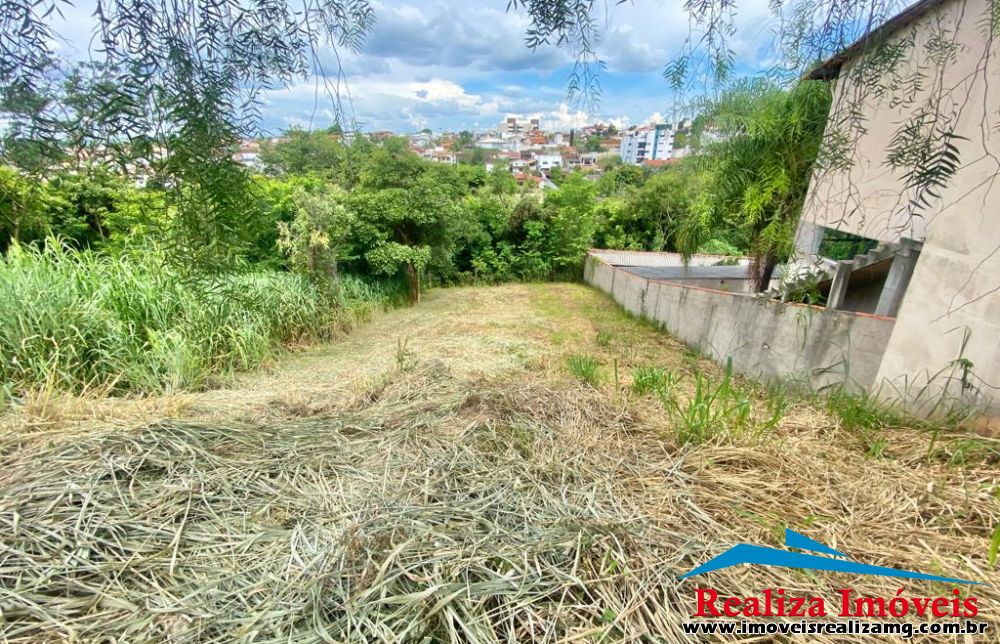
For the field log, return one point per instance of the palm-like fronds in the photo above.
(760, 172)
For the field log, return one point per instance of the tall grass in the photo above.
(75, 321)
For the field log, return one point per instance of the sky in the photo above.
(452, 65)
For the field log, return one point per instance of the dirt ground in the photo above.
(444, 473)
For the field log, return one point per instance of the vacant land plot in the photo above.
(513, 464)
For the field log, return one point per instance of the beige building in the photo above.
(936, 268)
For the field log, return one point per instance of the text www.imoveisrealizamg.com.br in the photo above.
(846, 627)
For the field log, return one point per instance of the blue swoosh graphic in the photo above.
(748, 554)
(795, 540)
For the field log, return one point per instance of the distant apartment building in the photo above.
(647, 143)
(512, 126)
(548, 161)
(248, 154)
(422, 140)
(440, 154)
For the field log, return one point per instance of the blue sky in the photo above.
(451, 65)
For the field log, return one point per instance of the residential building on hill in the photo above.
(653, 142)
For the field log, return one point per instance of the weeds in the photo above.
(647, 380)
(586, 368)
(710, 410)
(863, 415)
(76, 321)
(404, 355)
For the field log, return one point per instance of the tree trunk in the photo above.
(413, 277)
(764, 270)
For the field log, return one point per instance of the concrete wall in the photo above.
(766, 339)
(952, 305)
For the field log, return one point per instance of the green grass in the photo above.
(75, 321)
(865, 416)
(586, 368)
(712, 408)
(647, 380)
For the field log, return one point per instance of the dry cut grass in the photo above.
(443, 476)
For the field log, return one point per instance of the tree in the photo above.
(501, 182)
(478, 156)
(653, 209)
(465, 139)
(569, 227)
(22, 209)
(184, 80)
(391, 165)
(302, 152)
(618, 178)
(593, 144)
(759, 175)
(609, 162)
(400, 230)
(313, 239)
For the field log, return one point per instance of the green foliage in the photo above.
(719, 247)
(646, 380)
(593, 144)
(501, 182)
(569, 225)
(464, 139)
(757, 178)
(85, 207)
(863, 415)
(72, 320)
(991, 555)
(712, 408)
(22, 208)
(646, 209)
(840, 245)
(174, 87)
(925, 148)
(586, 368)
(313, 239)
(299, 152)
(617, 178)
(401, 230)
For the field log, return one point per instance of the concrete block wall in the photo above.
(766, 339)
